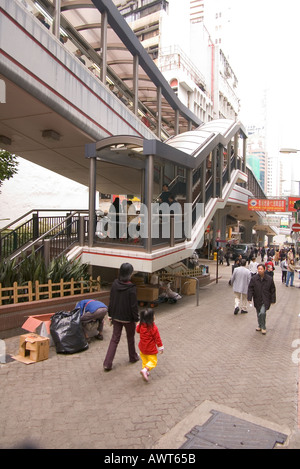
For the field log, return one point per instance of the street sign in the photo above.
(296, 227)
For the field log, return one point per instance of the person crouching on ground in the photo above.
(240, 280)
(150, 342)
(263, 291)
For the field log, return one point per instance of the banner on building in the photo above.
(267, 205)
(291, 202)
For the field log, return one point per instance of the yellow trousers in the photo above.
(149, 361)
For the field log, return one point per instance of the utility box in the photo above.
(33, 348)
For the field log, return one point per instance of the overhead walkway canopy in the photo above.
(55, 104)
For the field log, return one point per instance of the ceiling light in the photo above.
(51, 134)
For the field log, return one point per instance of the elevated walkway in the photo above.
(211, 163)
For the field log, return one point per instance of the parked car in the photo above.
(241, 250)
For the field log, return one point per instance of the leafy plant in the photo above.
(8, 165)
(8, 273)
(63, 268)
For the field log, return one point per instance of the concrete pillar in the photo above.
(260, 238)
(248, 225)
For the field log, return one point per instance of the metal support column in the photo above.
(221, 166)
(244, 155)
(92, 201)
(149, 177)
(104, 46)
(176, 122)
(214, 172)
(158, 130)
(135, 84)
(229, 161)
(188, 207)
(236, 147)
(203, 181)
(56, 18)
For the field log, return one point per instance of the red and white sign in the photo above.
(296, 227)
(267, 205)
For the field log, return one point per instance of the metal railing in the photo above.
(52, 235)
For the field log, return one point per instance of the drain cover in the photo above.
(223, 431)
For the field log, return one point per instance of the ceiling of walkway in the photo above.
(81, 20)
(23, 116)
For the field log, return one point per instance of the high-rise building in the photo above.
(175, 35)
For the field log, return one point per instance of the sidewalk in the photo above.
(212, 360)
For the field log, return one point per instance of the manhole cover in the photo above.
(223, 431)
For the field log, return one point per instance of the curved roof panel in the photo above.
(195, 141)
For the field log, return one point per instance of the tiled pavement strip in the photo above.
(212, 360)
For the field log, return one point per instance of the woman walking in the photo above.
(123, 312)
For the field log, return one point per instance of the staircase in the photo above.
(51, 232)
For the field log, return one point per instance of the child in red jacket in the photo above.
(150, 342)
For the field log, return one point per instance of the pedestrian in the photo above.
(277, 257)
(290, 255)
(123, 312)
(270, 262)
(221, 256)
(92, 314)
(263, 292)
(240, 280)
(253, 266)
(270, 270)
(150, 342)
(290, 273)
(283, 266)
(164, 196)
(227, 255)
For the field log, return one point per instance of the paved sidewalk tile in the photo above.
(211, 355)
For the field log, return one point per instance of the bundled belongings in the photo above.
(67, 332)
(167, 294)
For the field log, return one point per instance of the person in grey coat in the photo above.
(240, 281)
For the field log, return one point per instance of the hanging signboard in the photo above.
(291, 201)
(267, 205)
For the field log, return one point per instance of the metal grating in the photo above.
(223, 431)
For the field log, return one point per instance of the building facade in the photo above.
(175, 35)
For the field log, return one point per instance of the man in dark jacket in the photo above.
(123, 312)
(263, 291)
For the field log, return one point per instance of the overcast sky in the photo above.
(265, 54)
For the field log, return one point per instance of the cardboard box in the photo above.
(188, 286)
(33, 348)
(147, 293)
(40, 324)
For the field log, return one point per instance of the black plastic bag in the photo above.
(67, 332)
